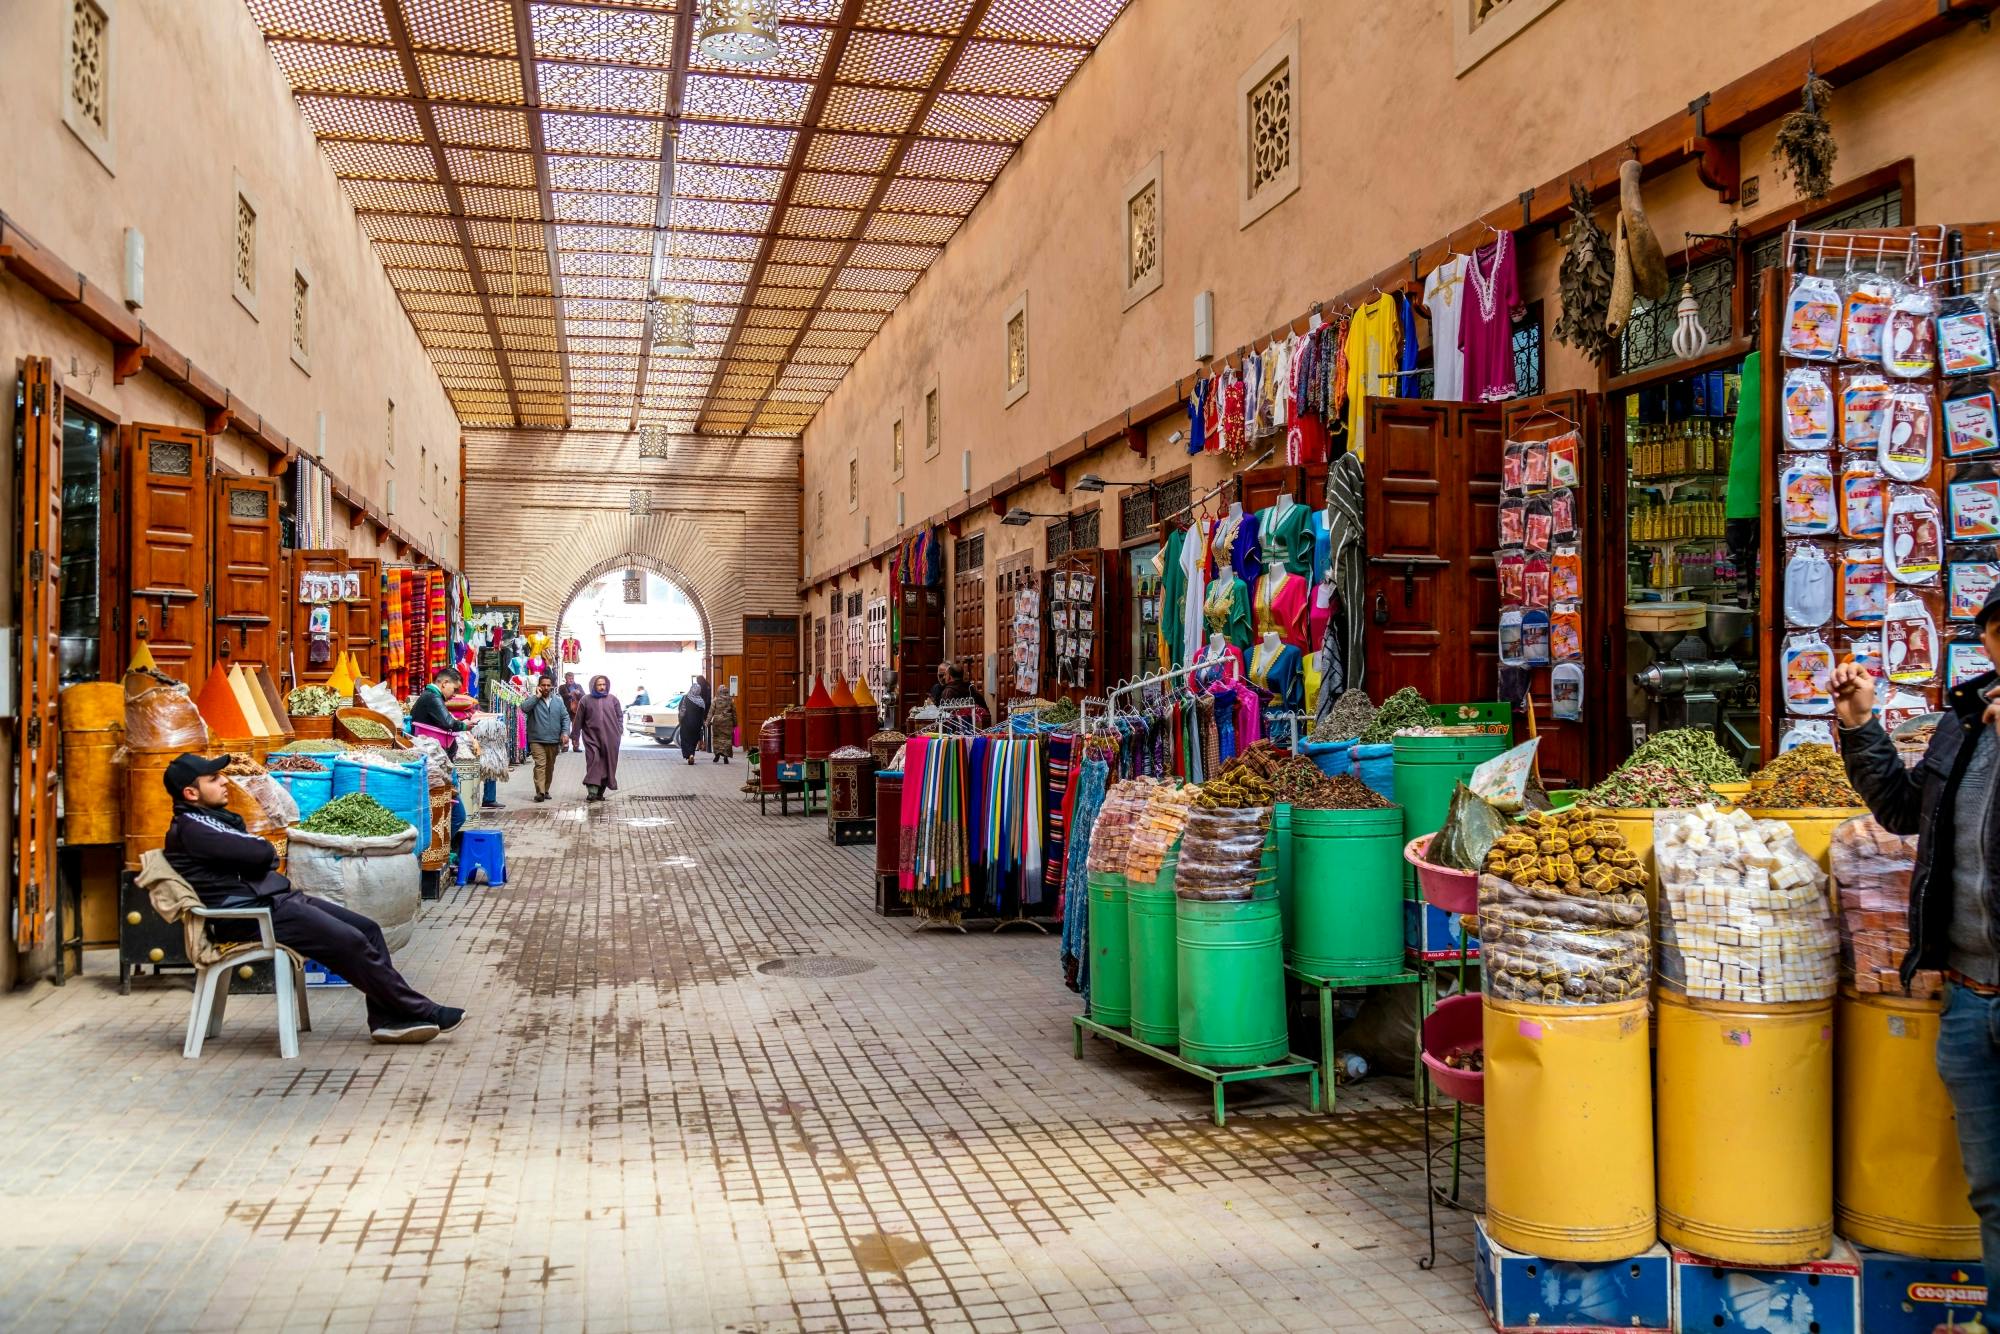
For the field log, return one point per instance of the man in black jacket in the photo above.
(1948, 802)
(229, 867)
(429, 709)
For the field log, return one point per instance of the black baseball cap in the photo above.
(1987, 608)
(184, 769)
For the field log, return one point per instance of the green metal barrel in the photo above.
(1278, 856)
(1232, 958)
(1156, 965)
(1110, 951)
(1347, 893)
(1428, 768)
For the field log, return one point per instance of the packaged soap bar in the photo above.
(1863, 314)
(1971, 420)
(1972, 504)
(1808, 672)
(1964, 336)
(1535, 638)
(1864, 396)
(1809, 585)
(1807, 487)
(1863, 591)
(1513, 456)
(1862, 497)
(1910, 642)
(1913, 548)
(1565, 454)
(1907, 429)
(1909, 341)
(1812, 319)
(1566, 574)
(1970, 574)
(1808, 409)
(1511, 569)
(1510, 638)
(1965, 660)
(1566, 632)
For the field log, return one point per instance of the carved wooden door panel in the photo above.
(245, 577)
(364, 617)
(168, 566)
(36, 737)
(325, 560)
(770, 669)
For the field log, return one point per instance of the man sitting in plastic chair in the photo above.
(230, 867)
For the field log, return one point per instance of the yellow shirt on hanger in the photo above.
(1374, 345)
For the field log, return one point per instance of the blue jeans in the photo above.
(1968, 1060)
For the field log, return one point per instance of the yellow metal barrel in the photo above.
(1569, 1122)
(1745, 1108)
(1898, 1180)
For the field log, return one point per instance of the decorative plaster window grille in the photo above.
(1017, 350)
(1138, 511)
(652, 442)
(246, 247)
(1076, 533)
(1058, 533)
(301, 318)
(170, 458)
(635, 586)
(933, 436)
(1143, 234)
(641, 503)
(1481, 27)
(1268, 121)
(969, 554)
(249, 503)
(1175, 499)
(854, 604)
(896, 449)
(89, 100)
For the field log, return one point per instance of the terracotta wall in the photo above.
(548, 511)
(1396, 150)
(195, 103)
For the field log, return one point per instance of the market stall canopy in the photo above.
(516, 165)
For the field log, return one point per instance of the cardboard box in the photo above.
(1823, 1297)
(1902, 1294)
(1522, 1292)
(1432, 934)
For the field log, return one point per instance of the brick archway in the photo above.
(633, 560)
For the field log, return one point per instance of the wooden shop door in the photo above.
(1574, 754)
(36, 737)
(364, 617)
(328, 560)
(245, 577)
(1432, 602)
(770, 672)
(968, 605)
(169, 562)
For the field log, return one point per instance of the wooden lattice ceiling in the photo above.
(515, 164)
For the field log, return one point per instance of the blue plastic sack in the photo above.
(404, 789)
(1376, 766)
(309, 790)
(1331, 757)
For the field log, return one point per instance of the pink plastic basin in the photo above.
(1456, 1025)
(1453, 891)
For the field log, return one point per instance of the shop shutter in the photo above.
(1573, 754)
(1432, 497)
(168, 560)
(36, 738)
(245, 577)
(364, 617)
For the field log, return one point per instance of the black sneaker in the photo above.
(413, 1031)
(449, 1019)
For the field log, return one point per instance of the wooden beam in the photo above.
(217, 420)
(127, 360)
(531, 94)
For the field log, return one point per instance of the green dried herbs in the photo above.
(1349, 718)
(1405, 708)
(1694, 751)
(363, 729)
(356, 815)
(1649, 785)
(1585, 278)
(1804, 148)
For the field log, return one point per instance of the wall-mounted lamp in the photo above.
(1021, 518)
(1090, 481)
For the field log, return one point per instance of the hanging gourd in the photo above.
(1804, 148)
(1649, 263)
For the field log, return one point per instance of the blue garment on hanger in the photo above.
(1076, 884)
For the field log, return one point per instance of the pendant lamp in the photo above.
(1690, 339)
(738, 32)
(673, 324)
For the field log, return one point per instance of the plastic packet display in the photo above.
(1964, 336)
(1862, 315)
(1566, 632)
(1535, 465)
(1539, 530)
(1972, 503)
(1509, 646)
(1535, 583)
(1910, 643)
(1862, 497)
(1562, 512)
(1510, 567)
(1565, 454)
(1565, 575)
(1809, 586)
(1964, 659)
(1971, 420)
(1970, 574)
(1909, 432)
(1907, 702)
(1513, 457)
(1111, 835)
(1808, 409)
(1871, 875)
(1808, 672)
(1806, 485)
(1563, 914)
(1805, 732)
(1863, 399)
(1863, 586)
(1913, 548)
(1743, 910)
(1812, 319)
(1513, 522)
(1535, 638)
(1909, 340)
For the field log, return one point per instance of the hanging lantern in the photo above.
(673, 324)
(738, 32)
(1690, 339)
(652, 442)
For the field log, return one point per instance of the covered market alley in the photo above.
(1045, 664)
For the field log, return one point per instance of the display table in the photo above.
(1219, 1080)
(1326, 987)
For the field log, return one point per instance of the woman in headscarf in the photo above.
(722, 726)
(600, 720)
(694, 716)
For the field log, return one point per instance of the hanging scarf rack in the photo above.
(1226, 665)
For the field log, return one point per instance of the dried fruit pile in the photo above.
(1692, 750)
(297, 764)
(1300, 784)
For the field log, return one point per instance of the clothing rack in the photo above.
(1179, 673)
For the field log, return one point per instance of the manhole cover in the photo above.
(815, 965)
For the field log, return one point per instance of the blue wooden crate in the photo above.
(1903, 1294)
(1823, 1297)
(319, 975)
(1430, 933)
(1522, 1292)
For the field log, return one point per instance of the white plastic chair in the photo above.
(211, 985)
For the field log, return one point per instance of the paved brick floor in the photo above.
(642, 1130)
